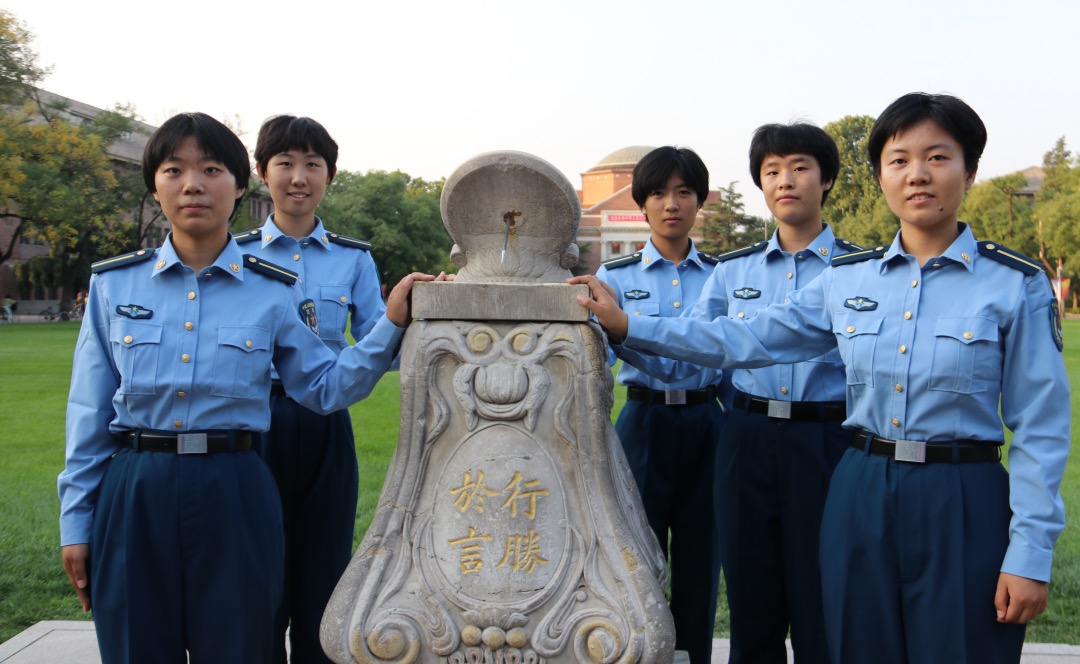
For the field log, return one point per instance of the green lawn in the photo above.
(35, 365)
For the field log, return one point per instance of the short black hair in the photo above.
(796, 138)
(950, 113)
(654, 169)
(282, 133)
(217, 142)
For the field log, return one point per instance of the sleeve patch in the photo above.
(309, 315)
(1055, 326)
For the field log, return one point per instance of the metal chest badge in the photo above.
(636, 294)
(309, 316)
(860, 303)
(134, 311)
(747, 293)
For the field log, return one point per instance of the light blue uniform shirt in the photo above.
(163, 348)
(656, 287)
(743, 286)
(928, 353)
(340, 280)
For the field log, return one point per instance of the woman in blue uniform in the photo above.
(670, 429)
(312, 456)
(170, 524)
(930, 550)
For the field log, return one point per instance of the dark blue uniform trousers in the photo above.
(910, 557)
(313, 459)
(185, 557)
(671, 452)
(772, 476)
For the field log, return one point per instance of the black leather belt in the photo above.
(958, 451)
(188, 442)
(817, 411)
(672, 397)
(277, 389)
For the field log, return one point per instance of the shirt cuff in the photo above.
(640, 330)
(1027, 561)
(74, 529)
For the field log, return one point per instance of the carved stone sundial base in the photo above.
(509, 528)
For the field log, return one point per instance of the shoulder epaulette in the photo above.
(1007, 256)
(850, 246)
(269, 269)
(623, 260)
(860, 255)
(121, 261)
(247, 236)
(347, 241)
(708, 259)
(743, 251)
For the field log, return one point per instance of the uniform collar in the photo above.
(650, 256)
(964, 250)
(822, 246)
(229, 261)
(271, 233)
(166, 257)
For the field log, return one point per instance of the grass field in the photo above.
(35, 366)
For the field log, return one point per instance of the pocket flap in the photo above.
(339, 295)
(244, 338)
(852, 324)
(966, 329)
(127, 332)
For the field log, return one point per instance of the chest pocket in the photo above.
(857, 338)
(333, 311)
(967, 355)
(642, 308)
(137, 349)
(745, 309)
(242, 365)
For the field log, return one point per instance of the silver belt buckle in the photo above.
(912, 451)
(191, 443)
(780, 409)
(674, 397)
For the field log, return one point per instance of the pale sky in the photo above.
(424, 85)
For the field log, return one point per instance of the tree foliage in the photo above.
(998, 209)
(1057, 209)
(70, 201)
(58, 185)
(19, 70)
(856, 208)
(397, 213)
(727, 226)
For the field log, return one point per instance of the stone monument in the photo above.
(509, 528)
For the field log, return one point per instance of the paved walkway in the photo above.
(73, 641)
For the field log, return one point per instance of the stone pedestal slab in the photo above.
(449, 300)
